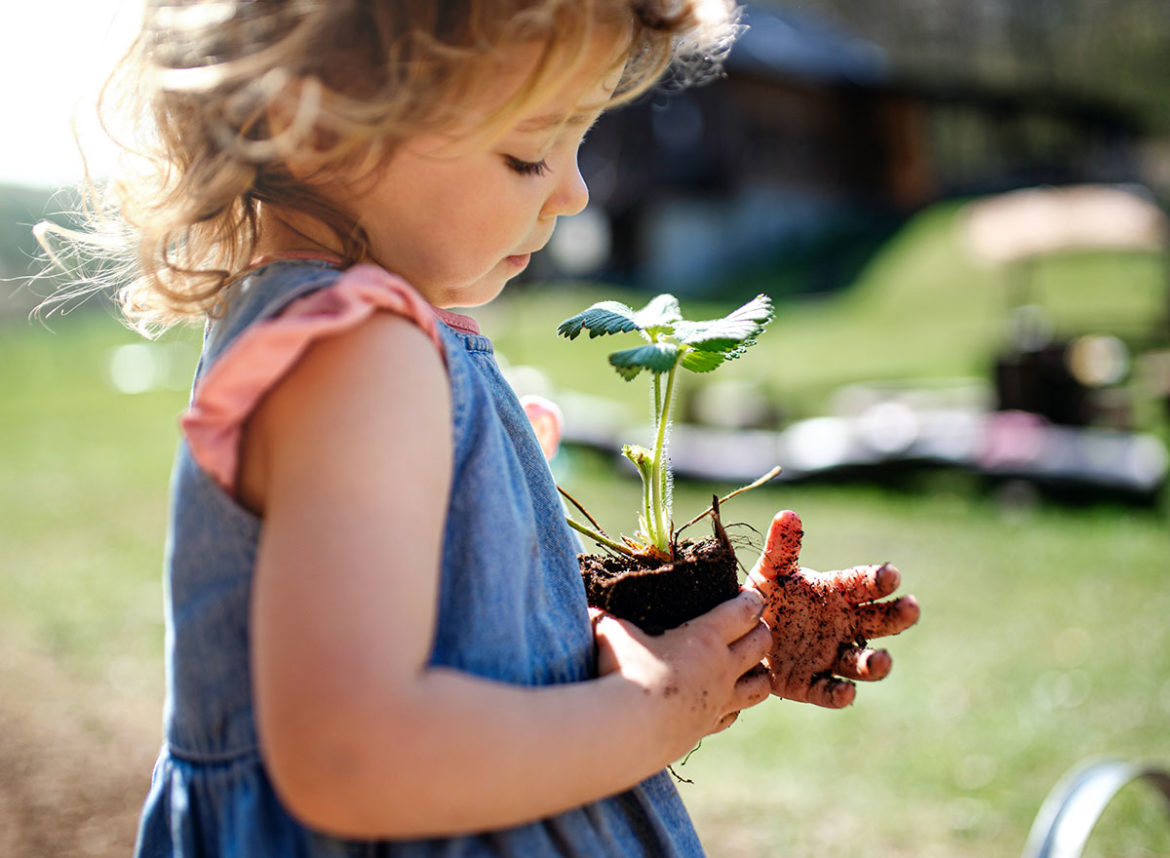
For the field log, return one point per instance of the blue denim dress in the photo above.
(512, 608)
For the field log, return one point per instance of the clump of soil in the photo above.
(658, 596)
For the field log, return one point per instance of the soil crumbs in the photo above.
(659, 597)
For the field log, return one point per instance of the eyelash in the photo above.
(527, 168)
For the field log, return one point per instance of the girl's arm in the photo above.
(348, 460)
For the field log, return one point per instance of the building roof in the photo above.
(785, 44)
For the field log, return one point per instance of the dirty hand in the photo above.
(703, 672)
(820, 621)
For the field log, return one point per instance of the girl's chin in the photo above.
(478, 293)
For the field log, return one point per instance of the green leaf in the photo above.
(734, 332)
(737, 353)
(700, 361)
(604, 317)
(656, 357)
(660, 314)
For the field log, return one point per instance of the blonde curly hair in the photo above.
(204, 80)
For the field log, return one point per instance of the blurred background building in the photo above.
(836, 120)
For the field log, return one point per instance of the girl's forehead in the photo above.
(527, 92)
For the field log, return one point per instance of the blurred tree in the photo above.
(1110, 49)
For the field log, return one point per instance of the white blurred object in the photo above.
(888, 427)
(732, 404)
(581, 243)
(1098, 360)
(1033, 222)
(143, 367)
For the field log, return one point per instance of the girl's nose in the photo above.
(569, 197)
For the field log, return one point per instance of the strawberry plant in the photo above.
(669, 345)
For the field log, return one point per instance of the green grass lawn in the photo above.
(1043, 640)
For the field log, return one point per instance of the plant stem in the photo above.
(775, 472)
(660, 524)
(649, 510)
(597, 537)
(583, 511)
(657, 398)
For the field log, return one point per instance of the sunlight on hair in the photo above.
(711, 12)
(195, 17)
(222, 105)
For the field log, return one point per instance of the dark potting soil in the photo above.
(657, 597)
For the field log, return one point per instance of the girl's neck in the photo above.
(287, 233)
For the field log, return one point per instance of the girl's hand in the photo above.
(703, 672)
(820, 621)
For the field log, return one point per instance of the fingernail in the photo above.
(884, 574)
(908, 608)
(760, 602)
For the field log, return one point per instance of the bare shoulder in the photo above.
(335, 409)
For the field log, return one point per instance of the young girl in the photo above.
(377, 638)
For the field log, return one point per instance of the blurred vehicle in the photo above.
(1068, 402)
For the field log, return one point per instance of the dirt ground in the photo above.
(75, 761)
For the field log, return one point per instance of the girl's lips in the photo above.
(519, 261)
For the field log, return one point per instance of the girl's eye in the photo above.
(526, 168)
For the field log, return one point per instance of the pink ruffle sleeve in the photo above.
(230, 390)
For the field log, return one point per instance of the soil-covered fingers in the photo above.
(863, 583)
(736, 617)
(755, 682)
(829, 692)
(867, 665)
(751, 689)
(822, 690)
(782, 549)
(749, 650)
(882, 619)
(725, 722)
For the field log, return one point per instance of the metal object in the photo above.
(1071, 810)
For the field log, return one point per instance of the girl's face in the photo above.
(457, 218)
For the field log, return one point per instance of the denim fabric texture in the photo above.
(512, 608)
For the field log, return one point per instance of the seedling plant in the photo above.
(670, 344)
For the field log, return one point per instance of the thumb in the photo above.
(611, 635)
(781, 555)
